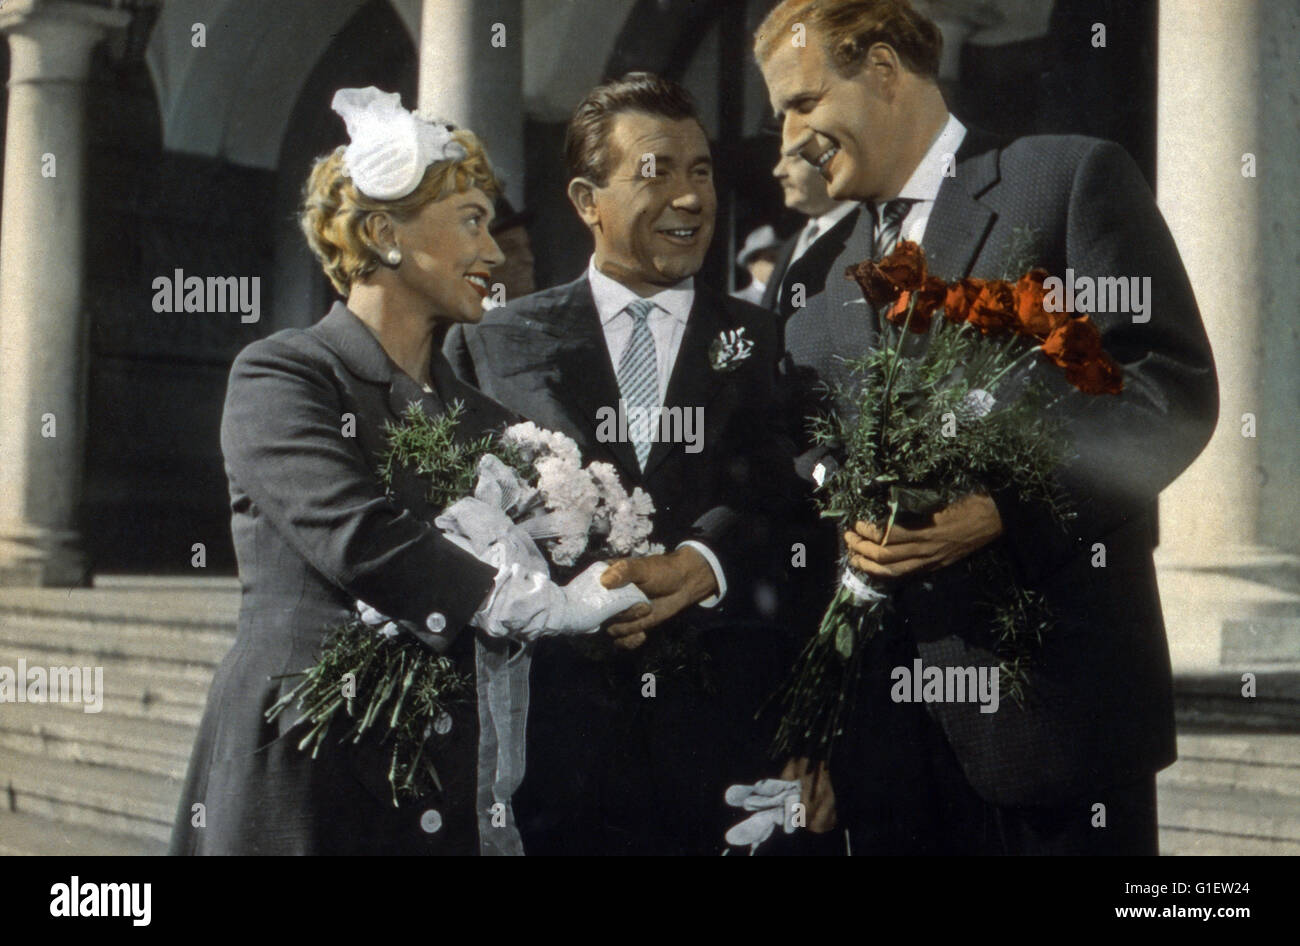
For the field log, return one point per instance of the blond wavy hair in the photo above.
(849, 28)
(334, 212)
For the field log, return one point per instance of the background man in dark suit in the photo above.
(618, 761)
(806, 257)
(860, 101)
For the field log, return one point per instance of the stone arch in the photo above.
(233, 98)
(372, 48)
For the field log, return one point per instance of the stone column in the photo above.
(42, 324)
(1224, 602)
(1207, 118)
(471, 73)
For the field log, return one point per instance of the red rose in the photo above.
(928, 298)
(904, 267)
(1073, 342)
(960, 297)
(1075, 345)
(884, 281)
(1034, 319)
(1096, 376)
(994, 310)
(875, 285)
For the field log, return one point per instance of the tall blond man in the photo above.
(854, 84)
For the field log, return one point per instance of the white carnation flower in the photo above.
(642, 503)
(564, 485)
(607, 482)
(629, 523)
(562, 446)
(527, 439)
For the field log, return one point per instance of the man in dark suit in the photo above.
(630, 749)
(1073, 769)
(806, 257)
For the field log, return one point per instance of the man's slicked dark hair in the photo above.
(586, 140)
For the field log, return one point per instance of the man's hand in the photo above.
(673, 582)
(957, 530)
(815, 792)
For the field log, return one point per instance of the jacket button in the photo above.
(436, 622)
(442, 725)
(430, 821)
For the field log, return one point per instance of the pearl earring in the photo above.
(393, 256)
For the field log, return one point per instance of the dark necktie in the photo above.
(891, 223)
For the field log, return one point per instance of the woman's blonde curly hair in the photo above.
(334, 211)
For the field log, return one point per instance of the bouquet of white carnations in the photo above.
(378, 671)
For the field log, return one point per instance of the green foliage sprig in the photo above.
(914, 443)
(427, 447)
(366, 681)
(394, 688)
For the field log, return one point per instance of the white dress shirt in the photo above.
(923, 186)
(667, 322)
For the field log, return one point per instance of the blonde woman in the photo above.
(399, 219)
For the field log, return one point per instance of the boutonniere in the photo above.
(729, 349)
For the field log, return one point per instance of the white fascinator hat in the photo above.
(390, 148)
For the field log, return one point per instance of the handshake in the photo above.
(636, 594)
(670, 583)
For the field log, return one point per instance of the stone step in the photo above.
(1280, 749)
(1234, 777)
(1214, 701)
(173, 601)
(1261, 762)
(94, 640)
(65, 732)
(23, 834)
(1176, 842)
(135, 688)
(110, 800)
(1246, 814)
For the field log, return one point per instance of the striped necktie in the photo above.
(638, 379)
(891, 224)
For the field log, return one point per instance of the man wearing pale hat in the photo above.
(758, 256)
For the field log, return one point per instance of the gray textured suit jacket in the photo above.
(1102, 711)
(811, 269)
(314, 531)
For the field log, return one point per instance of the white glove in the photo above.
(771, 799)
(588, 604)
(382, 623)
(527, 605)
(524, 603)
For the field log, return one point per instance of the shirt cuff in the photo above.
(714, 600)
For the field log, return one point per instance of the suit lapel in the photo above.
(814, 269)
(782, 269)
(359, 350)
(959, 224)
(586, 382)
(481, 413)
(847, 318)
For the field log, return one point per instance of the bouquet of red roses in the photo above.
(922, 429)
